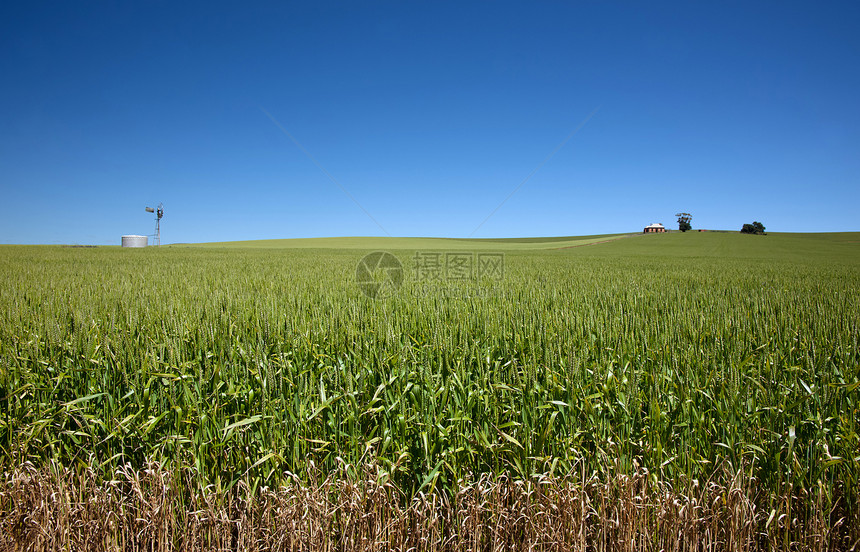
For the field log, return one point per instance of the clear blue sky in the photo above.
(429, 114)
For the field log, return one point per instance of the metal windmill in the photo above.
(159, 212)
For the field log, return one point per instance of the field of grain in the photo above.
(679, 391)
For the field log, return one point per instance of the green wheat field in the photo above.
(680, 391)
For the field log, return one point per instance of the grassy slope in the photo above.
(828, 247)
(361, 242)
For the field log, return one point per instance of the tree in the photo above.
(684, 221)
(754, 228)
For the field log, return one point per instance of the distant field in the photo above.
(677, 390)
(451, 244)
(841, 246)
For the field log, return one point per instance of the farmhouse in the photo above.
(654, 227)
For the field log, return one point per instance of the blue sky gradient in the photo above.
(429, 114)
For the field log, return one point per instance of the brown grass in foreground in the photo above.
(54, 509)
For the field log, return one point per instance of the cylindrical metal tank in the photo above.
(134, 241)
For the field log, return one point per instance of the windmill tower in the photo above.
(159, 212)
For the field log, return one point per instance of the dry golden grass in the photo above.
(55, 509)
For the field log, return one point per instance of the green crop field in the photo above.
(677, 391)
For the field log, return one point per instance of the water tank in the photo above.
(134, 241)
